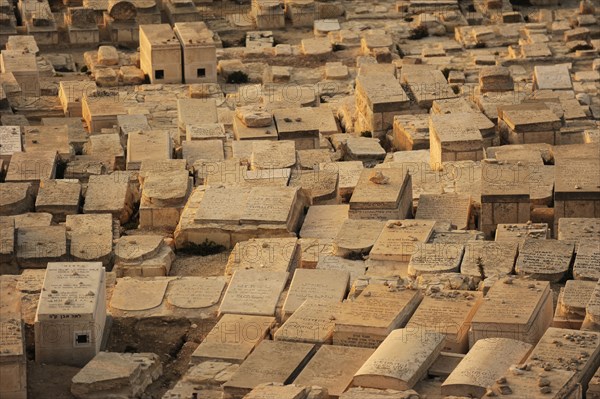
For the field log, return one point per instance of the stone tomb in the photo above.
(151, 145)
(194, 298)
(319, 188)
(10, 137)
(13, 362)
(587, 260)
(90, 237)
(572, 302)
(116, 374)
(450, 139)
(271, 361)
(575, 229)
(519, 232)
(400, 361)
(110, 194)
(569, 350)
(592, 311)
(312, 322)
(253, 292)
(357, 236)
(319, 286)
(496, 258)
(323, 221)
(333, 367)
(516, 308)
(528, 123)
(368, 319)
(268, 154)
(544, 259)
(163, 197)
(348, 175)
(264, 254)
(356, 268)
(37, 245)
(72, 301)
(31, 167)
(448, 313)
(382, 194)
(298, 125)
(233, 338)
(399, 239)
(454, 208)
(483, 365)
(526, 384)
(16, 198)
(142, 256)
(435, 258)
(59, 197)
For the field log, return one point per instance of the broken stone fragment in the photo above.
(253, 116)
(378, 177)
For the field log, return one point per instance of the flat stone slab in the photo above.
(137, 294)
(544, 259)
(196, 292)
(253, 292)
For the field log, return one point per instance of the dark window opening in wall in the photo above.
(82, 339)
(159, 74)
(200, 72)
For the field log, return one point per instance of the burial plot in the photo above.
(298, 125)
(142, 256)
(233, 338)
(435, 258)
(312, 322)
(515, 308)
(163, 197)
(593, 391)
(10, 137)
(587, 260)
(109, 194)
(323, 221)
(38, 245)
(253, 292)
(333, 368)
(569, 350)
(31, 167)
(488, 258)
(264, 254)
(557, 384)
(357, 236)
(72, 299)
(400, 361)
(448, 313)
(411, 132)
(45, 138)
(382, 194)
(544, 259)
(206, 131)
(528, 123)
(90, 237)
(8, 262)
(483, 365)
(399, 239)
(552, 77)
(271, 361)
(455, 208)
(320, 286)
(59, 197)
(273, 154)
(367, 320)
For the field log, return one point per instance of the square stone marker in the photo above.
(366, 321)
(552, 77)
(498, 258)
(399, 239)
(448, 313)
(270, 205)
(324, 221)
(59, 197)
(222, 205)
(587, 260)
(435, 258)
(380, 196)
(312, 322)
(575, 296)
(253, 292)
(400, 361)
(455, 208)
(544, 259)
(317, 285)
(357, 236)
(91, 237)
(264, 254)
(233, 338)
(333, 367)
(271, 361)
(515, 308)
